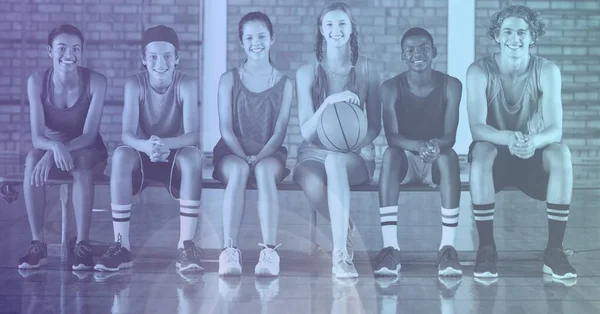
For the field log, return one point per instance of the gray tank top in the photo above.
(163, 119)
(525, 115)
(255, 114)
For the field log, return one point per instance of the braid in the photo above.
(354, 47)
(319, 89)
(319, 47)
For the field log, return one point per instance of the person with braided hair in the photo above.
(338, 74)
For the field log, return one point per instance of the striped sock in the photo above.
(484, 219)
(389, 226)
(449, 224)
(120, 217)
(558, 215)
(188, 219)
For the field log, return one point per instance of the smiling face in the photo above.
(418, 52)
(256, 40)
(65, 52)
(514, 37)
(160, 59)
(336, 27)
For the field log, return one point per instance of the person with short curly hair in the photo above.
(534, 21)
(515, 114)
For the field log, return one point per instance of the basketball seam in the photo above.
(325, 133)
(359, 129)
(341, 127)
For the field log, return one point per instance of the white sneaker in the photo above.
(268, 262)
(343, 266)
(230, 261)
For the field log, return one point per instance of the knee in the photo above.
(190, 159)
(123, 158)
(483, 155)
(238, 169)
(393, 157)
(33, 157)
(557, 157)
(447, 160)
(266, 169)
(311, 181)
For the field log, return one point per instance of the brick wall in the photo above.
(112, 32)
(381, 26)
(572, 42)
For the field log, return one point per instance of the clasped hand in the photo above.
(522, 145)
(251, 160)
(429, 151)
(157, 151)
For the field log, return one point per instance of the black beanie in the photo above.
(160, 33)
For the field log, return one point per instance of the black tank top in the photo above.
(421, 118)
(65, 124)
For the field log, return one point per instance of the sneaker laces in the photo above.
(266, 255)
(35, 247)
(113, 249)
(232, 252)
(386, 253)
(343, 257)
(82, 249)
(193, 251)
(449, 255)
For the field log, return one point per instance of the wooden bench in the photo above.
(9, 181)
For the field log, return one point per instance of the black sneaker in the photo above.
(36, 256)
(557, 264)
(82, 256)
(115, 258)
(447, 262)
(188, 257)
(485, 264)
(387, 262)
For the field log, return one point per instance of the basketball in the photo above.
(342, 127)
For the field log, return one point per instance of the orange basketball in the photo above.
(342, 127)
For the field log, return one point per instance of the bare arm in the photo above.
(91, 127)
(281, 125)
(307, 116)
(226, 115)
(390, 122)
(131, 114)
(191, 130)
(373, 105)
(552, 111)
(36, 114)
(477, 110)
(454, 92)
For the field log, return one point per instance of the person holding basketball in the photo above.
(254, 109)
(338, 74)
(515, 115)
(65, 103)
(161, 138)
(420, 118)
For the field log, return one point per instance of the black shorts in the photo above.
(166, 173)
(527, 175)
